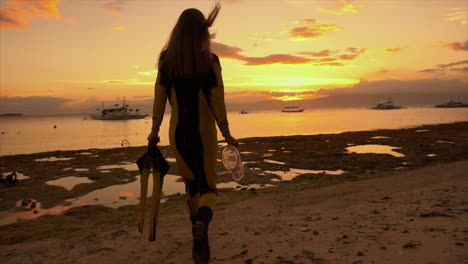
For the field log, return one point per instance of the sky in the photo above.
(70, 55)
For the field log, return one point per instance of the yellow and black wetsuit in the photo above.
(197, 105)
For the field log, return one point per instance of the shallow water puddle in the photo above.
(69, 182)
(113, 196)
(81, 169)
(379, 137)
(171, 159)
(293, 173)
(375, 149)
(237, 186)
(129, 166)
(273, 161)
(445, 142)
(19, 175)
(421, 130)
(54, 159)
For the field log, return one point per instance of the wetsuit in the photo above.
(197, 105)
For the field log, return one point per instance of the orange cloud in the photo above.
(226, 51)
(441, 68)
(115, 6)
(231, 52)
(341, 7)
(18, 13)
(322, 53)
(457, 14)
(393, 50)
(313, 30)
(119, 28)
(457, 46)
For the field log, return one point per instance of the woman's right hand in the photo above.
(232, 141)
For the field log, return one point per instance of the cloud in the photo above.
(322, 53)
(464, 69)
(276, 58)
(440, 68)
(393, 50)
(232, 1)
(453, 64)
(457, 14)
(232, 52)
(340, 7)
(119, 28)
(457, 46)
(115, 6)
(16, 14)
(33, 104)
(312, 31)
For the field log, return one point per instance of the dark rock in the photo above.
(359, 254)
(316, 233)
(460, 244)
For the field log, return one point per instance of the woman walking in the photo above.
(189, 76)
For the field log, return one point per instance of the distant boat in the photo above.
(292, 109)
(387, 105)
(122, 112)
(243, 112)
(11, 114)
(452, 104)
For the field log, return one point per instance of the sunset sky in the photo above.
(86, 51)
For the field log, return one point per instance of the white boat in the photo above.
(119, 112)
(387, 105)
(292, 109)
(452, 104)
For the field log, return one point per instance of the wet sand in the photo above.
(383, 209)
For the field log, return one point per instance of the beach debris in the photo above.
(25, 202)
(125, 143)
(412, 244)
(10, 179)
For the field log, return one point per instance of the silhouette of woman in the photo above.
(189, 76)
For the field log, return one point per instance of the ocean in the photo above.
(32, 134)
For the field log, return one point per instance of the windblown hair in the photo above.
(188, 53)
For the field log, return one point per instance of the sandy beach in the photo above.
(408, 206)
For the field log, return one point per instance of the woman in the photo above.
(189, 76)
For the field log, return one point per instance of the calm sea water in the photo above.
(31, 134)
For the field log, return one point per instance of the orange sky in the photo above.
(104, 50)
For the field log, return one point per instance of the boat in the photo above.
(292, 109)
(387, 105)
(452, 104)
(119, 112)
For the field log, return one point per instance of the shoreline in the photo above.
(96, 229)
(245, 138)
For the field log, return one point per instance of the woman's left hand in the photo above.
(153, 135)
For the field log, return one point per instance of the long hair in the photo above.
(188, 53)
